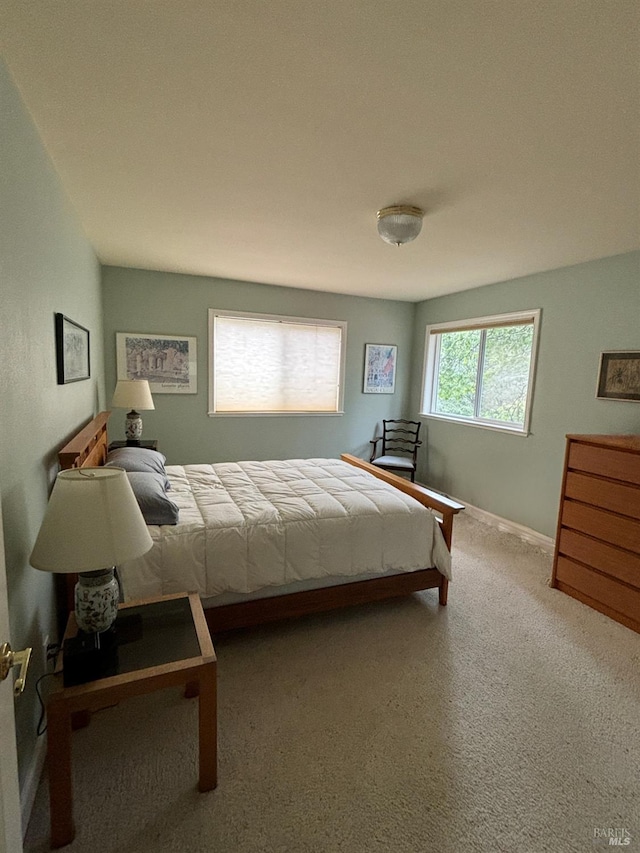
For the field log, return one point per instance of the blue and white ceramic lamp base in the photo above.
(133, 426)
(96, 600)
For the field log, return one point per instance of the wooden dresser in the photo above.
(597, 556)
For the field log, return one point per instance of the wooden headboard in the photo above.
(89, 447)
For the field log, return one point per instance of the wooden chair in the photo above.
(400, 445)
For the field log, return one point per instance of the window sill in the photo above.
(523, 433)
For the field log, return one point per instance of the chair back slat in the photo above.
(399, 436)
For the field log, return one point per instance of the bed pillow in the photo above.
(139, 459)
(154, 504)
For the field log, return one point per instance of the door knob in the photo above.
(9, 659)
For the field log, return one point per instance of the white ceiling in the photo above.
(256, 139)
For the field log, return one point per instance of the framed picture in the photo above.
(380, 368)
(619, 377)
(168, 362)
(72, 351)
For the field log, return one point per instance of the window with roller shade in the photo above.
(275, 365)
(481, 371)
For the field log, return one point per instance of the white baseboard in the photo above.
(545, 543)
(31, 782)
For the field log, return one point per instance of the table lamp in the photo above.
(92, 523)
(134, 394)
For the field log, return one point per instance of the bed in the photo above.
(263, 541)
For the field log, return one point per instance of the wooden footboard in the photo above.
(89, 448)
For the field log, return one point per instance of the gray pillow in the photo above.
(139, 459)
(155, 506)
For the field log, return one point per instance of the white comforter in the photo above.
(245, 526)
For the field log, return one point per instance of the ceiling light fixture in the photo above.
(400, 223)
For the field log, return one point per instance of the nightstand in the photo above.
(146, 443)
(162, 642)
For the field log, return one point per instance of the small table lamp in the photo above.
(92, 523)
(134, 393)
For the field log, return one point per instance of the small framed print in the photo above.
(619, 376)
(72, 351)
(380, 368)
(168, 362)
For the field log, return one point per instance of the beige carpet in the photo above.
(507, 721)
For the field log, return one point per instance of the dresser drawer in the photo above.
(608, 463)
(624, 532)
(609, 592)
(613, 561)
(603, 493)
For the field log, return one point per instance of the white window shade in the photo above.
(274, 365)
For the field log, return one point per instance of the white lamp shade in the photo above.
(133, 394)
(92, 522)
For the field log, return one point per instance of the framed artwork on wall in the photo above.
(619, 376)
(380, 368)
(72, 351)
(168, 362)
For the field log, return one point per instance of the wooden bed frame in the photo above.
(89, 449)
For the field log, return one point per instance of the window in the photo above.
(481, 371)
(267, 364)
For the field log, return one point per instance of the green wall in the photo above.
(46, 265)
(586, 309)
(143, 301)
